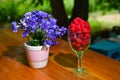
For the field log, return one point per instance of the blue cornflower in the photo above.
(39, 26)
(25, 33)
(14, 26)
(50, 42)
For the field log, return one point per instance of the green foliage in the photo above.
(92, 5)
(14, 9)
(104, 5)
(6, 12)
(43, 5)
(37, 38)
(68, 7)
(95, 25)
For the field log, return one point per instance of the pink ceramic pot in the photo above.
(37, 55)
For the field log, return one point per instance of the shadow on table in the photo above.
(18, 53)
(66, 60)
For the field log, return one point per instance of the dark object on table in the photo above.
(108, 48)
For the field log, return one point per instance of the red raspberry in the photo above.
(78, 40)
(79, 33)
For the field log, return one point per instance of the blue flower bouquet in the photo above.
(40, 27)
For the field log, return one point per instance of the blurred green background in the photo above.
(102, 13)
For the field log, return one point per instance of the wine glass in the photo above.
(79, 42)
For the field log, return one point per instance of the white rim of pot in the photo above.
(33, 47)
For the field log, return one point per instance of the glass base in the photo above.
(80, 72)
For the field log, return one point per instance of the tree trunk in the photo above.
(80, 9)
(58, 12)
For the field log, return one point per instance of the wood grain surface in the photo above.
(14, 65)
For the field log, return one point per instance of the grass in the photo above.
(107, 21)
(102, 25)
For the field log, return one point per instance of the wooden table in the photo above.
(14, 65)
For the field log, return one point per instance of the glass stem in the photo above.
(80, 61)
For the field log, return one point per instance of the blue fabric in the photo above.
(118, 58)
(106, 47)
